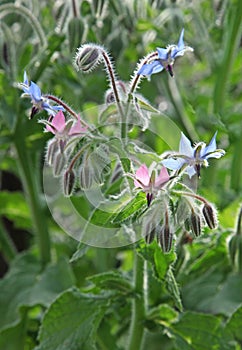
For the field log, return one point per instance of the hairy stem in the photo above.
(112, 79)
(67, 108)
(138, 307)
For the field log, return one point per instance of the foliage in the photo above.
(67, 281)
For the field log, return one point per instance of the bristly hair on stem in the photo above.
(136, 78)
(88, 57)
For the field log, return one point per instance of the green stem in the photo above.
(236, 167)
(233, 37)
(31, 186)
(238, 225)
(6, 245)
(138, 307)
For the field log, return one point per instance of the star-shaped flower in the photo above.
(150, 184)
(62, 128)
(166, 58)
(192, 158)
(39, 102)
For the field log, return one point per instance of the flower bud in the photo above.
(87, 57)
(76, 29)
(150, 236)
(109, 95)
(86, 176)
(69, 182)
(58, 164)
(195, 221)
(210, 215)
(51, 151)
(165, 238)
(149, 230)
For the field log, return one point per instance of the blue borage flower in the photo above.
(39, 102)
(166, 58)
(192, 158)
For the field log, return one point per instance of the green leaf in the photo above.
(13, 338)
(71, 322)
(234, 324)
(173, 288)
(135, 208)
(145, 105)
(13, 205)
(162, 313)
(200, 332)
(80, 252)
(112, 280)
(109, 112)
(26, 285)
(160, 261)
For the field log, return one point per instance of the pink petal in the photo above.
(162, 178)
(142, 175)
(59, 121)
(48, 127)
(77, 128)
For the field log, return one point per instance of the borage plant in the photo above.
(133, 195)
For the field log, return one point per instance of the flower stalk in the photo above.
(138, 306)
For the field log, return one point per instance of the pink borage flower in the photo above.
(62, 128)
(150, 183)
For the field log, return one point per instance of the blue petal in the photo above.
(162, 53)
(26, 80)
(211, 147)
(180, 44)
(185, 147)
(173, 164)
(35, 91)
(179, 49)
(217, 154)
(190, 170)
(151, 68)
(58, 108)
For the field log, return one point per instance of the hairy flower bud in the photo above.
(86, 176)
(69, 182)
(150, 236)
(58, 164)
(87, 57)
(210, 215)
(51, 151)
(195, 221)
(109, 95)
(165, 238)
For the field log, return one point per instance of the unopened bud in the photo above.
(165, 238)
(210, 215)
(51, 151)
(69, 182)
(149, 230)
(109, 95)
(87, 57)
(86, 176)
(58, 164)
(150, 236)
(195, 221)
